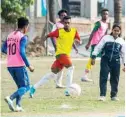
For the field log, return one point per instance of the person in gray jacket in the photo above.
(112, 47)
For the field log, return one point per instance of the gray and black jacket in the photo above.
(111, 48)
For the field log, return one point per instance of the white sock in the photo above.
(70, 75)
(45, 79)
(59, 78)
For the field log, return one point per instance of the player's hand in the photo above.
(123, 69)
(78, 42)
(92, 61)
(87, 46)
(31, 68)
(76, 51)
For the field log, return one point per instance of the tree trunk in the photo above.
(117, 11)
(43, 35)
(52, 16)
(52, 10)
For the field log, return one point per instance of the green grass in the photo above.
(48, 99)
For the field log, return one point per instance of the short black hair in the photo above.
(103, 10)
(22, 21)
(66, 18)
(62, 11)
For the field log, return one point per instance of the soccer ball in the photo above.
(73, 90)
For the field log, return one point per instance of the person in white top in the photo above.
(113, 48)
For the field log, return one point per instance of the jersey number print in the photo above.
(12, 49)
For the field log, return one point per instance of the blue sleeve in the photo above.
(4, 47)
(23, 44)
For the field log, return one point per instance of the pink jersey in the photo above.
(59, 25)
(99, 33)
(14, 58)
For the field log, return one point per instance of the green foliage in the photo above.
(13, 9)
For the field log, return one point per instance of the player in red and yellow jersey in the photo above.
(65, 39)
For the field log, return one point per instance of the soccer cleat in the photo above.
(67, 93)
(10, 103)
(102, 98)
(115, 99)
(86, 79)
(60, 86)
(19, 109)
(32, 91)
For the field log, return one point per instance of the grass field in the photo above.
(51, 102)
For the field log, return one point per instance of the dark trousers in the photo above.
(112, 67)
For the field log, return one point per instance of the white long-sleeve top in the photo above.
(111, 48)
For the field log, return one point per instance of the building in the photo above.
(81, 8)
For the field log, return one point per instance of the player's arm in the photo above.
(75, 48)
(123, 55)
(106, 31)
(96, 27)
(77, 39)
(52, 34)
(4, 47)
(23, 44)
(98, 49)
(53, 39)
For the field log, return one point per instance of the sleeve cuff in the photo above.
(27, 65)
(93, 57)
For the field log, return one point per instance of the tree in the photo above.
(117, 11)
(52, 15)
(13, 9)
(52, 10)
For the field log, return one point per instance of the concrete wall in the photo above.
(36, 27)
(90, 9)
(84, 26)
